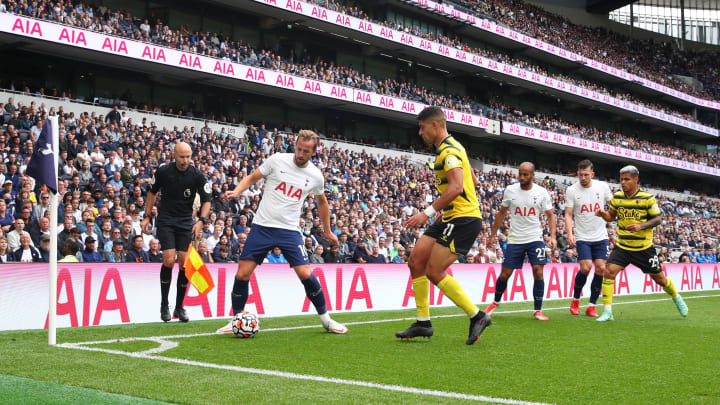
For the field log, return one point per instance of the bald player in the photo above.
(178, 182)
(525, 201)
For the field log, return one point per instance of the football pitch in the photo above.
(648, 355)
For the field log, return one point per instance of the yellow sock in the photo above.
(451, 288)
(421, 289)
(608, 289)
(670, 288)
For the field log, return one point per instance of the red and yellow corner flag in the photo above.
(196, 271)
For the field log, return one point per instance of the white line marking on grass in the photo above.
(167, 344)
(191, 335)
(306, 377)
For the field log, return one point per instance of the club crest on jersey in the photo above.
(187, 193)
(289, 191)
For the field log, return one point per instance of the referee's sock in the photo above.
(239, 295)
(182, 283)
(595, 288)
(165, 279)
(315, 293)
(580, 280)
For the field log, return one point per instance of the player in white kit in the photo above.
(590, 236)
(289, 180)
(525, 201)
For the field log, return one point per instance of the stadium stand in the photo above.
(655, 61)
(109, 156)
(371, 190)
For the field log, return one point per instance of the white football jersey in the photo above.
(525, 208)
(584, 203)
(286, 187)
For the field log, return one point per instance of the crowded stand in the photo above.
(315, 68)
(122, 23)
(651, 60)
(107, 163)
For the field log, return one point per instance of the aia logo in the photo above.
(589, 208)
(289, 191)
(524, 211)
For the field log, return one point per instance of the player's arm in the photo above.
(499, 218)
(608, 215)
(245, 184)
(149, 203)
(324, 211)
(454, 189)
(552, 220)
(569, 225)
(655, 215)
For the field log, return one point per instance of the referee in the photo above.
(178, 182)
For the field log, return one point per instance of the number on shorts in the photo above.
(448, 230)
(654, 262)
(540, 253)
(304, 251)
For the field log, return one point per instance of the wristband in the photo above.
(430, 211)
(203, 219)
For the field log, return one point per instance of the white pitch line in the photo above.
(133, 339)
(166, 344)
(307, 377)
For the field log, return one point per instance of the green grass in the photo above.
(649, 354)
(17, 391)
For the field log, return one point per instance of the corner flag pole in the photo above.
(52, 271)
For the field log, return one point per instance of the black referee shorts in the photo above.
(646, 260)
(174, 232)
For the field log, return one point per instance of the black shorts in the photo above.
(646, 260)
(458, 234)
(174, 232)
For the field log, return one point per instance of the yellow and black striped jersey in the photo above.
(450, 155)
(635, 209)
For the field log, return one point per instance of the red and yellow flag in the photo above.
(196, 271)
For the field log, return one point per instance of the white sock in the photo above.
(608, 308)
(325, 318)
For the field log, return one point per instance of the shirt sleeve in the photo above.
(653, 209)
(156, 183)
(507, 195)
(569, 198)
(268, 165)
(204, 188)
(608, 194)
(547, 201)
(452, 161)
(613, 204)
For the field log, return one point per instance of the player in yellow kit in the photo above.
(637, 214)
(447, 238)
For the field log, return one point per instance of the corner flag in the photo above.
(42, 166)
(196, 271)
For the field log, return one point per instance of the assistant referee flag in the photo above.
(42, 163)
(196, 271)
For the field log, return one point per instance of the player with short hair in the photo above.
(290, 177)
(589, 234)
(525, 201)
(178, 182)
(447, 238)
(637, 213)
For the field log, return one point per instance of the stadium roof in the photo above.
(605, 6)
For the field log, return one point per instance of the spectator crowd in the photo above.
(106, 165)
(215, 45)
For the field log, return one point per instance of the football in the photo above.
(245, 325)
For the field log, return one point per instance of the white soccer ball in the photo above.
(245, 325)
